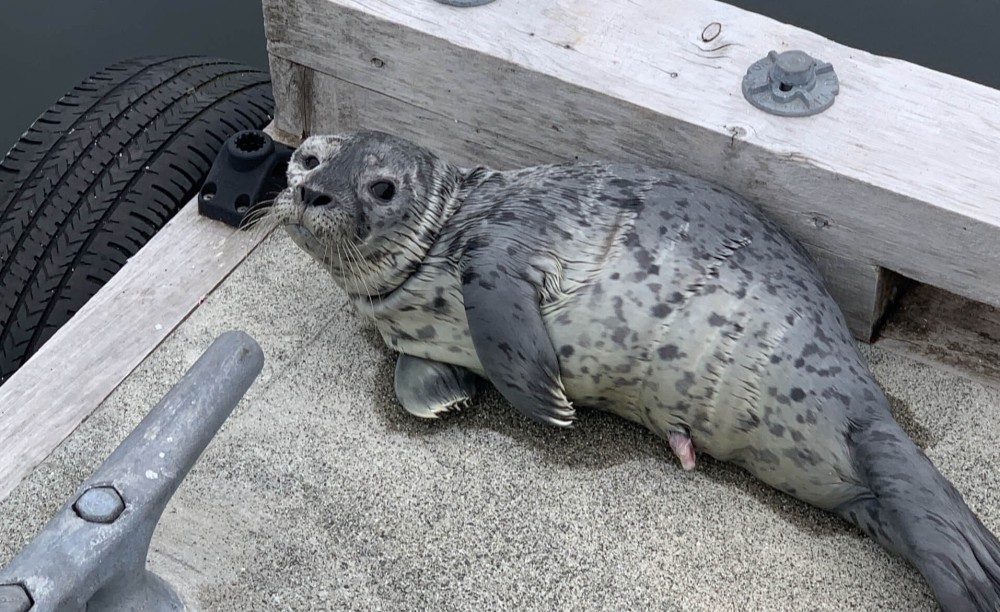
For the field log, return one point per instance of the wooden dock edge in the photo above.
(45, 400)
(891, 183)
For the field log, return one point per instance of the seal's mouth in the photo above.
(321, 233)
(327, 224)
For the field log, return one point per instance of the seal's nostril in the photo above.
(312, 197)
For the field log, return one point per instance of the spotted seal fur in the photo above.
(640, 291)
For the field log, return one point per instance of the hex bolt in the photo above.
(14, 598)
(99, 563)
(99, 505)
(791, 84)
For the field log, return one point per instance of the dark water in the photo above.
(46, 46)
(958, 37)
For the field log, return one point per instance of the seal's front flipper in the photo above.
(511, 341)
(428, 388)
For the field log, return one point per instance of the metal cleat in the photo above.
(91, 556)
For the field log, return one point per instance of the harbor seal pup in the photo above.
(640, 291)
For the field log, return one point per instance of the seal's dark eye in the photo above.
(383, 190)
(310, 162)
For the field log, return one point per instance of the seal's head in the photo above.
(367, 205)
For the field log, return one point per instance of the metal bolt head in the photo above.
(465, 3)
(791, 84)
(99, 505)
(14, 598)
(792, 68)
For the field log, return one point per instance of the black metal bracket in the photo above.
(246, 175)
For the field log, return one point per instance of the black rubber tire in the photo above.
(100, 172)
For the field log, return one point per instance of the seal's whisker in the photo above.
(257, 213)
(259, 223)
(340, 259)
(355, 271)
(360, 257)
(336, 266)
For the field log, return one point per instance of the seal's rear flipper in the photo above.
(511, 340)
(915, 512)
(428, 389)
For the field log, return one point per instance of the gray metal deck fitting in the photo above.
(791, 84)
(92, 554)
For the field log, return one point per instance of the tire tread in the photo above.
(100, 172)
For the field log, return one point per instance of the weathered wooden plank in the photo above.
(947, 331)
(83, 362)
(290, 85)
(334, 104)
(895, 175)
(861, 289)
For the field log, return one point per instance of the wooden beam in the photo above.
(291, 84)
(864, 292)
(82, 363)
(895, 175)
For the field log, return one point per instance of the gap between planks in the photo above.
(88, 357)
(946, 331)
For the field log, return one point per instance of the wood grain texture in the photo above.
(83, 362)
(946, 331)
(897, 174)
(290, 83)
(864, 292)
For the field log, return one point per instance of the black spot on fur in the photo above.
(668, 352)
(684, 385)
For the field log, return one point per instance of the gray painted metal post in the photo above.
(92, 554)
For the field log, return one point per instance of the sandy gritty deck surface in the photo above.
(321, 493)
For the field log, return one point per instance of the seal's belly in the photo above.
(724, 341)
(719, 367)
